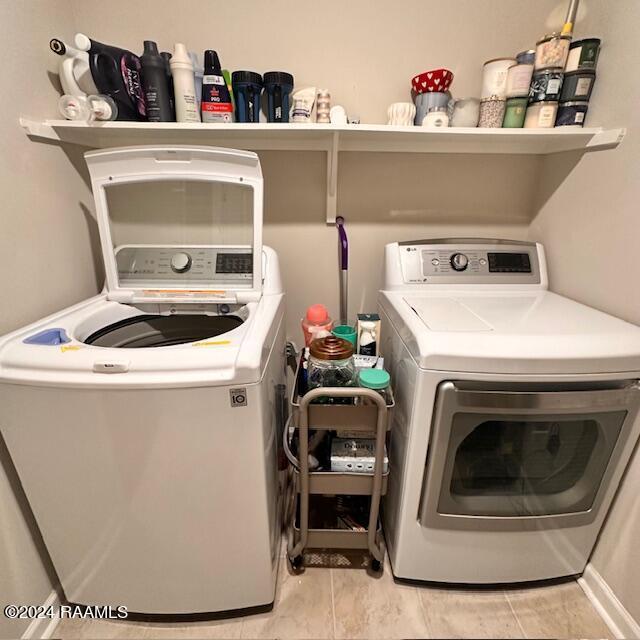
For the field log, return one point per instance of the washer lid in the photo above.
(179, 224)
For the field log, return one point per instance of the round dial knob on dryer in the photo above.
(181, 262)
(459, 262)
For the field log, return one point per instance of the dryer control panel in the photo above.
(469, 261)
(188, 265)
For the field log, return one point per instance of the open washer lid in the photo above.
(179, 224)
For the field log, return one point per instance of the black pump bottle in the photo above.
(155, 84)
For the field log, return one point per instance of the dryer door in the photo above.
(522, 458)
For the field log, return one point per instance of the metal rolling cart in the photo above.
(372, 416)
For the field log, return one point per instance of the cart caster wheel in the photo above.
(376, 566)
(296, 564)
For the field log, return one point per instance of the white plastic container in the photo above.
(494, 77)
(437, 117)
(184, 86)
(75, 73)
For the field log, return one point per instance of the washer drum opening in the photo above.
(146, 331)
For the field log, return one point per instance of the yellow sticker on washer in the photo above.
(70, 347)
(211, 343)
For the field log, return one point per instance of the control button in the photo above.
(483, 262)
(180, 262)
(435, 262)
(459, 261)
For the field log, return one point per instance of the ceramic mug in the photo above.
(464, 112)
(401, 114)
(426, 101)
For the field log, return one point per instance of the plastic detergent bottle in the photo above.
(216, 100)
(316, 323)
(116, 73)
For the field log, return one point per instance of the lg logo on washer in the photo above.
(238, 397)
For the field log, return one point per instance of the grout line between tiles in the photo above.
(513, 611)
(333, 605)
(424, 613)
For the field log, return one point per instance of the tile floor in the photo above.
(348, 603)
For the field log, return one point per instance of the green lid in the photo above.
(374, 378)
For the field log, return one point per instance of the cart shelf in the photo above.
(339, 483)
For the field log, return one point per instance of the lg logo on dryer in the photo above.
(238, 397)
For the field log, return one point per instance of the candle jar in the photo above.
(492, 112)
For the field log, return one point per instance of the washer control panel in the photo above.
(469, 262)
(184, 265)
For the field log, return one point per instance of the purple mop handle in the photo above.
(344, 244)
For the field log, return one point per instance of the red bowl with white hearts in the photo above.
(437, 80)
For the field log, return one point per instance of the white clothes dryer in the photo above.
(144, 422)
(516, 414)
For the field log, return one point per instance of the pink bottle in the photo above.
(316, 324)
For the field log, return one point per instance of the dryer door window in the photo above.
(520, 457)
(520, 466)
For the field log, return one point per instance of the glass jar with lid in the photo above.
(377, 380)
(331, 365)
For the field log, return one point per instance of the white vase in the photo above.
(401, 114)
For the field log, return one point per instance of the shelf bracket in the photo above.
(332, 178)
(39, 129)
(607, 139)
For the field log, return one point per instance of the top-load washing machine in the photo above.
(143, 422)
(516, 414)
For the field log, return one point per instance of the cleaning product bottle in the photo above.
(74, 71)
(116, 73)
(154, 84)
(183, 85)
(198, 73)
(216, 99)
(316, 323)
(166, 56)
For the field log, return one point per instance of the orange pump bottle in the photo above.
(316, 323)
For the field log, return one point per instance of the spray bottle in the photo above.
(216, 98)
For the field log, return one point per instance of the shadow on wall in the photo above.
(403, 188)
(23, 504)
(553, 174)
(75, 155)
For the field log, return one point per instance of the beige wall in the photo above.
(46, 257)
(590, 225)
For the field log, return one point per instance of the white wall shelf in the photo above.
(327, 138)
